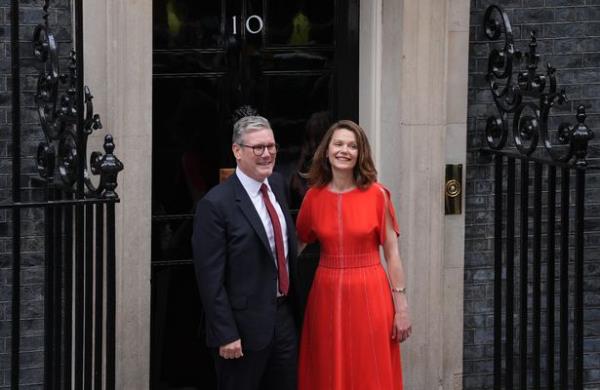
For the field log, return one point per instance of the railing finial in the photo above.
(580, 137)
(108, 167)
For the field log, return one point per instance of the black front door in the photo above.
(294, 62)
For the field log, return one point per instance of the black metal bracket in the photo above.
(529, 97)
(64, 150)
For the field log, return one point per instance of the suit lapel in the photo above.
(245, 204)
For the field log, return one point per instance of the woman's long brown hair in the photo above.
(365, 173)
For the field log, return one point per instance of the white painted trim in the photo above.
(370, 73)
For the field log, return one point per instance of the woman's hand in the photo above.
(401, 328)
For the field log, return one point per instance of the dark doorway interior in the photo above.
(296, 63)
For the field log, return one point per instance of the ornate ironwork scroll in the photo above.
(524, 98)
(58, 155)
(528, 97)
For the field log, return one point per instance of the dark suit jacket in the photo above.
(235, 268)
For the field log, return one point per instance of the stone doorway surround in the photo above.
(413, 91)
(118, 69)
(413, 87)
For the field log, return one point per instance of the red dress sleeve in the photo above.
(387, 207)
(304, 222)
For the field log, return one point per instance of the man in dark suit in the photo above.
(244, 245)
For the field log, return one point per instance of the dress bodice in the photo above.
(349, 226)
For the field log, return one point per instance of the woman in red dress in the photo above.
(356, 314)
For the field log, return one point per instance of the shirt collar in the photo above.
(251, 186)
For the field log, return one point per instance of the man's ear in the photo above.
(237, 151)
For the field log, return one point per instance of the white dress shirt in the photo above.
(252, 187)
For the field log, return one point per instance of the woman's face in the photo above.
(342, 152)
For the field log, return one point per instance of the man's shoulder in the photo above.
(221, 191)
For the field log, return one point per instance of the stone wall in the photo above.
(568, 33)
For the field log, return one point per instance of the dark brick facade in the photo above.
(568, 34)
(32, 226)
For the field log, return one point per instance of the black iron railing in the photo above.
(524, 99)
(79, 218)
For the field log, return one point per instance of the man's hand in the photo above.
(232, 350)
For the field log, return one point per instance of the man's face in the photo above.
(256, 167)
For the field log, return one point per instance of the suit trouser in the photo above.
(272, 368)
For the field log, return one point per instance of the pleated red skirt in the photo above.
(346, 340)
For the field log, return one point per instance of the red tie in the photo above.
(284, 282)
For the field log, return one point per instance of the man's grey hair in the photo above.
(247, 125)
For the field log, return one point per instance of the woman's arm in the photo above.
(402, 326)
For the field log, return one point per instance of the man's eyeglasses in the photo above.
(260, 149)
